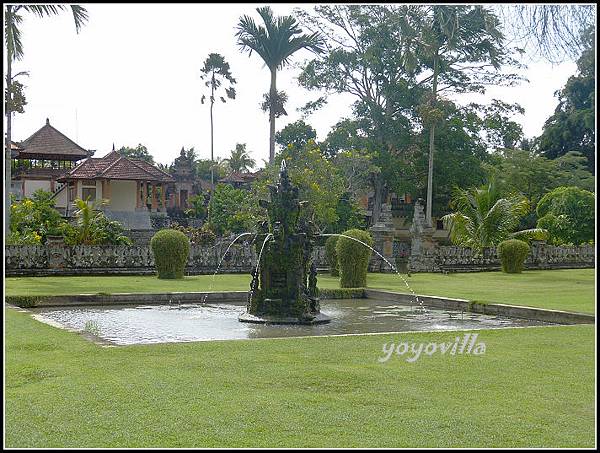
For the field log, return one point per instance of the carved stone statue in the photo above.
(284, 290)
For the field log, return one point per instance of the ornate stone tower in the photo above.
(284, 289)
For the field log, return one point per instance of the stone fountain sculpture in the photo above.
(284, 283)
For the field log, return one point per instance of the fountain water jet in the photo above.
(422, 307)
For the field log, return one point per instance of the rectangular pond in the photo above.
(144, 324)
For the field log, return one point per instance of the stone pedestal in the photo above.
(422, 243)
(383, 241)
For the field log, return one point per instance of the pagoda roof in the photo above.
(116, 166)
(51, 144)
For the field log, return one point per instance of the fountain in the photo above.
(284, 284)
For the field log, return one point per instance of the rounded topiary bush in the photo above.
(171, 249)
(512, 255)
(331, 255)
(353, 258)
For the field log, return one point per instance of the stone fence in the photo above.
(58, 259)
(461, 259)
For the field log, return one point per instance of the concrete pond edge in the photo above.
(511, 311)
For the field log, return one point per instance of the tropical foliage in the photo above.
(34, 219)
(139, 152)
(482, 218)
(92, 227)
(215, 73)
(275, 42)
(239, 159)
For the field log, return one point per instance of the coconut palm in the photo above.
(484, 219)
(275, 42)
(14, 51)
(215, 72)
(240, 160)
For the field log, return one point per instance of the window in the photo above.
(439, 224)
(88, 192)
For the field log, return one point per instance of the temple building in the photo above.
(38, 162)
(133, 188)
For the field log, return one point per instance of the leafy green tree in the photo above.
(14, 51)
(568, 214)
(239, 159)
(275, 43)
(232, 210)
(464, 49)
(139, 152)
(296, 134)
(206, 167)
(370, 55)
(483, 218)
(317, 179)
(572, 126)
(533, 175)
(215, 72)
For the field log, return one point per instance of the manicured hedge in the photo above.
(353, 258)
(512, 254)
(171, 249)
(331, 255)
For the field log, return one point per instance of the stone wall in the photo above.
(461, 259)
(56, 259)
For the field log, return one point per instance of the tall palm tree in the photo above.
(215, 72)
(239, 159)
(483, 218)
(275, 42)
(14, 51)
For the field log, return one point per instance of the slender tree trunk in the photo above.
(212, 158)
(428, 218)
(272, 97)
(7, 154)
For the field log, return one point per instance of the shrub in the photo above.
(331, 255)
(198, 236)
(353, 258)
(171, 249)
(512, 255)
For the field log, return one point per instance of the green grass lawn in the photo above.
(568, 289)
(534, 387)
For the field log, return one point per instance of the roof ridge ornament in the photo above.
(47, 121)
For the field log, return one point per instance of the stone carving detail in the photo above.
(285, 288)
(35, 259)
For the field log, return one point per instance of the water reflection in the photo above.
(199, 322)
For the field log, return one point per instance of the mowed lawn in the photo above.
(568, 289)
(533, 387)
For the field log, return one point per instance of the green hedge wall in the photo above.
(331, 255)
(171, 249)
(353, 258)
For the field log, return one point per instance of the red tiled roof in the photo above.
(51, 144)
(115, 166)
(239, 177)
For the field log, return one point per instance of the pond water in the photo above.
(143, 324)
